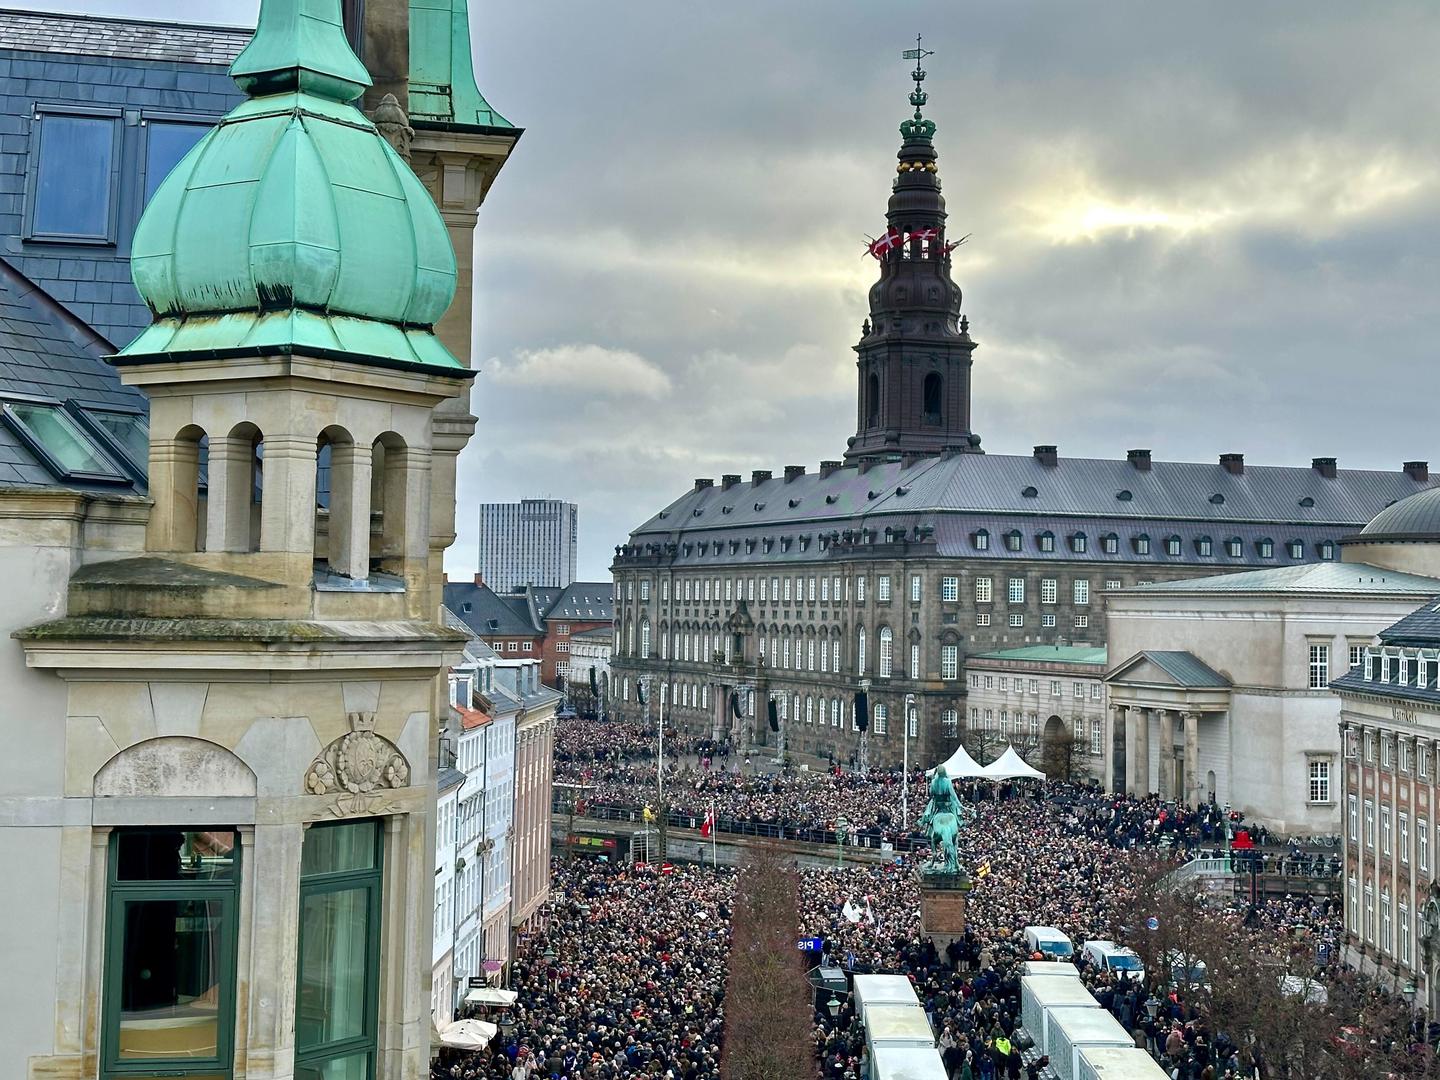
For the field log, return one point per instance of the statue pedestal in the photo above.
(942, 907)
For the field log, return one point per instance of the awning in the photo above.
(490, 995)
(467, 1034)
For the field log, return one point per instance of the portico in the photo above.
(1163, 707)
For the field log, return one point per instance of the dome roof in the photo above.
(294, 222)
(1414, 518)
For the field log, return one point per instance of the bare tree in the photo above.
(1065, 757)
(982, 744)
(768, 1002)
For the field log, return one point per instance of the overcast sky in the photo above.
(1199, 228)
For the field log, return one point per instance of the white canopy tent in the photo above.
(491, 995)
(961, 766)
(467, 1034)
(1009, 766)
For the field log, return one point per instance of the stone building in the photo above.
(886, 570)
(1219, 687)
(222, 700)
(536, 621)
(589, 684)
(1389, 782)
(1043, 696)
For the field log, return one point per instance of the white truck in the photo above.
(1043, 996)
(882, 990)
(1071, 1031)
(1117, 1063)
(907, 1063)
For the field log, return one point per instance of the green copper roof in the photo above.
(293, 225)
(442, 74)
(1067, 654)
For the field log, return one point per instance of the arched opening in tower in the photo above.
(933, 394)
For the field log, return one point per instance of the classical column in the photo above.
(1142, 751)
(1114, 722)
(1167, 754)
(1194, 790)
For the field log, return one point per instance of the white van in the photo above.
(1049, 943)
(1116, 959)
(1186, 972)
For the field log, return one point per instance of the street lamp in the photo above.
(549, 954)
(910, 718)
(1152, 1006)
(833, 1006)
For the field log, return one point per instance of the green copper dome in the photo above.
(293, 224)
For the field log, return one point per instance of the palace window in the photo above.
(1204, 547)
(1385, 830)
(810, 590)
(1110, 544)
(1048, 619)
(1172, 545)
(882, 719)
(1017, 619)
(882, 587)
(1082, 622)
(1046, 541)
(1049, 588)
(1016, 591)
(1319, 780)
(1319, 667)
(949, 661)
(1422, 844)
(950, 588)
(1352, 805)
(914, 661)
(982, 618)
(1404, 837)
(645, 589)
(1142, 545)
(887, 653)
(1295, 549)
(1111, 584)
(172, 920)
(825, 590)
(981, 539)
(1081, 591)
(1078, 543)
(915, 586)
(860, 589)
(1327, 549)
(1265, 548)
(949, 723)
(984, 587)
(860, 652)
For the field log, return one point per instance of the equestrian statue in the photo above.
(944, 817)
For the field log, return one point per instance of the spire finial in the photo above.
(300, 45)
(918, 96)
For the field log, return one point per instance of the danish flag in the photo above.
(890, 239)
(708, 825)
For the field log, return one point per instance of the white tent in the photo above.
(961, 766)
(493, 996)
(467, 1034)
(1008, 766)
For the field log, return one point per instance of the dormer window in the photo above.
(1234, 547)
(1079, 543)
(1046, 540)
(1172, 545)
(981, 539)
(1204, 547)
(1295, 549)
(1265, 548)
(1013, 540)
(1327, 549)
(1110, 544)
(1142, 544)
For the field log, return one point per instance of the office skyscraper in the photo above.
(531, 542)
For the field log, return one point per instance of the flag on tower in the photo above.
(890, 239)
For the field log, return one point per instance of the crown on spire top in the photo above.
(918, 127)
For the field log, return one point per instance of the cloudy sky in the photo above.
(1197, 227)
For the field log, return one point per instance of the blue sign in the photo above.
(1152, 923)
(811, 944)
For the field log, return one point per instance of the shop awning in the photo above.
(490, 995)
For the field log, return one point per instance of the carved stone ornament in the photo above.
(358, 764)
(393, 125)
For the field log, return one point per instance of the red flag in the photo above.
(708, 825)
(922, 234)
(666, 868)
(891, 239)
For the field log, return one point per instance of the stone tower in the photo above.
(915, 351)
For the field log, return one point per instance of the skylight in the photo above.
(60, 443)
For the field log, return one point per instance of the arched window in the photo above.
(835, 712)
(178, 520)
(887, 653)
(644, 639)
(934, 388)
(872, 400)
(860, 651)
(809, 709)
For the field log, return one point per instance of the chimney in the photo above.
(908, 460)
(759, 476)
(729, 480)
(1234, 464)
(703, 482)
(1418, 470)
(792, 471)
(479, 578)
(1139, 458)
(1047, 455)
(828, 467)
(1325, 466)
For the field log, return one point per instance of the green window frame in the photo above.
(337, 992)
(212, 961)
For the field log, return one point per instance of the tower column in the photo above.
(1193, 787)
(349, 540)
(287, 507)
(1142, 752)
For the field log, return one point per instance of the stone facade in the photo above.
(1028, 697)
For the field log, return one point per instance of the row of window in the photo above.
(1141, 544)
(1363, 924)
(1022, 685)
(1415, 668)
(79, 442)
(1401, 843)
(1018, 726)
(1049, 590)
(1397, 752)
(838, 589)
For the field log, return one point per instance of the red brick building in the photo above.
(537, 622)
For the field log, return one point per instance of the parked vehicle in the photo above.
(1048, 942)
(1116, 959)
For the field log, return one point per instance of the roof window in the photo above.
(125, 433)
(61, 443)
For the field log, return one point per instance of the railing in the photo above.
(873, 839)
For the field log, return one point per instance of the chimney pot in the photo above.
(479, 578)
(703, 482)
(1325, 466)
(828, 467)
(1047, 455)
(1417, 470)
(1140, 459)
(729, 480)
(759, 476)
(1233, 463)
(792, 471)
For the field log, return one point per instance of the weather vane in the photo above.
(918, 96)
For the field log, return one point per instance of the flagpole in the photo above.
(714, 851)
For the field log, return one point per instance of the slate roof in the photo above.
(598, 633)
(1066, 654)
(140, 39)
(1185, 668)
(487, 613)
(46, 353)
(1325, 578)
(1415, 518)
(1421, 627)
(961, 493)
(447, 778)
(583, 601)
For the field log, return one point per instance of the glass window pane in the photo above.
(62, 439)
(72, 183)
(334, 849)
(334, 965)
(174, 855)
(165, 145)
(349, 1067)
(130, 430)
(170, 965)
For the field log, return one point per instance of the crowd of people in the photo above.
(627, 978)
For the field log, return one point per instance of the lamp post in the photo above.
(910, 718)
(865, 735)
(842, 827)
